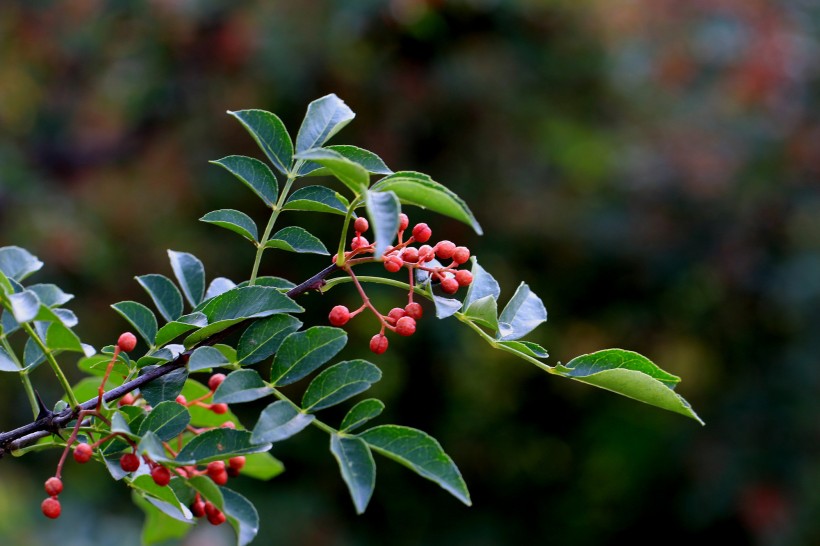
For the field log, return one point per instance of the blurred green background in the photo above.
(649, 167)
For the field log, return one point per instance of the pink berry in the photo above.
(51, 508)
(216, 380)
(406, 326)
(393, 264)
(464, 277)
(404, 221)
(426, 253)
(359, 242)
(198, 509)
(127, 342)
(413, 310)
(129, 462)
(461, 254)
(216, 471)
(444, 249)
(161, 475)
(219, 409)
(396, 313)
(82, 453)
(449, 285)
(422, 233)
(378, 343)
(182, 400)
(237, 463)
(360, 225)
(339, 315)
(228, 424)
(54, 486)
(126, 400)
(410, 255)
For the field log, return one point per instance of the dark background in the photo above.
(649, 167)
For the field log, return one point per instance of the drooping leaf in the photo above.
(303, 352)
(18, 263)
(219, 444)
(296, 239)
(383, 208)
(269, 132)
(190, 274)
(234, 220)
(361, 413)
(263, 338)
(419, 189)
(218, 286)
(325, 117)
(483, 285)
(351, 174)
(522, 314)
(166, 420)
(317, 199)
(254, 174)
(164, 293)
(165, 387)
(241, 386)
(279, 421)
(242, 516)
(445, 307)
(140, 317)
(420, 453)
(357, 467)
(526, 347)
(484, 311)
(205, 358)
(24, 306)
(50, 295)
(338, 383)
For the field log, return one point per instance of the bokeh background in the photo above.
(649, 167)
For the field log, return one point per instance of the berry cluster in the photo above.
(402, 320)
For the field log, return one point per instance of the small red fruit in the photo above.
(404, 221)
(51, 508)
(161, 475)
(216, 471)
(219, 409)
(359, 242)
(82, 453)
(216, 380)
(237, 463)
(339, 315)
(228, 424)
(406, 326)
(198, 509)
(217, 518)
(361, 225)
(444, 249)
(54, 486)
(126, 400)
(182, 400)
(449, 285)
(393, 264)
(422, 232)
(129, 462)
(413, 310)
(410, 255)
(464, 277)
(426, 253)
(210, 509)
(378, 343)
(461, 254)
(396, 313)
(127, 342)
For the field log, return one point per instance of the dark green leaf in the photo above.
(24, 306)
(383, 208)
(279, 421)
(50, 294)
(303, 352)
(151, 445)
(254, 174)
(164, 293)
(241, 386)
(263, 338)
(234, 220)
(262, 466)
(420, 453)
(317, 199)
(269, 132)
(190, 274)
(527, 348)
(274, 282)
(357, 467)
(351, 174)
(361, 413)
(166, 420)
(248, 302)
(18, 263)
(338, 383)
(242, 516)
(205, 358)
(419, 189)
(219, 444)
(166, 387)
(367, 159)
(296, 239)
(174, 329)
(140, 317)
(483, 285)
(523, 313)
(325, 117)
(484, 311)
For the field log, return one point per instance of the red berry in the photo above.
(198, 509)
(339, 315)
(219, 409)
(216, 471)
(361, 225)
(359, 242)
(422, 233)
(393, 264)
(426, 253)
(444, 249)
(161, 475)
(464, 277)
(396, 313)
(404, 221)
(461, 254)
(221, 478)
(449, 285)
(216, 380)
(126, 400)
(127, 342)
(210, 509)
(182, 400)
(406, 326)
(54, 486)
(129, 462)
(215, 466)
(82, 453)
(378, 343)
(410, 255)
(217, 518)
(413, 310)
(51, 508)
(237, 463)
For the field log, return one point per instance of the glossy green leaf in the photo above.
(526, 347)
(204, 333)
(248, 302)
(145, 484)
(419, 189)
(279, 283)
(233, 220)
(24, 306)
(522, 314)
(484, 311)
(174, 329)
(383, 208)
(351, 174)
(629, 374)
(7, 363)
(119, 423)
(338, 383)
(164, 293)
(150, 444)
(420, 453)
(357, 467)
(18, 263)
(269, 132)
(325, 117)
(218, 286)
(361, 413)
(166, 420)
(159, 527)
(190, 273)
(317, 199)
(263, 338)
(445, 307)
(219, 444)
(97, 364)
(296, 239)
(163, 388)
(242, 516)
(61, 338)
(367, 159)
(205, 358)
(483, 285)
(140, 317)
(241, 386)
(279, 421)
(303, 352)
(254, 174)
(50, 295)
(262, 466)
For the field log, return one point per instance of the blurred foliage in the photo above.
(649, 167)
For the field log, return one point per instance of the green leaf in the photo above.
(419, 189)
(420, 453)
(303, 352)
(523, 313)
(383, 208)
(163, 388)
(445, 307)
(338, 383)
(24, 306)
(325, 117)
(218, 286)
(351, 174)
(50, 294)
(262, 466)
(483, 285)
(234, 220)
(158, 527)
(317, 199)
(367, 159)
(269, 132)
(248, 302)
(167, 420)
(150, 444)
(296, 239)
(242, 516)
(164, 293)
(361, 413)
(174, 329)
(7, 364)
(170, 503)
(205, 358)
(484, 311)
(263, 338)
(140, 317)
(18, 263)
(357, 467)
(254, 174)
(219, 444)
(241, 386)
(279, 421)
(190, 274)
(283, 285)
(526, 347)
(629, 374)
